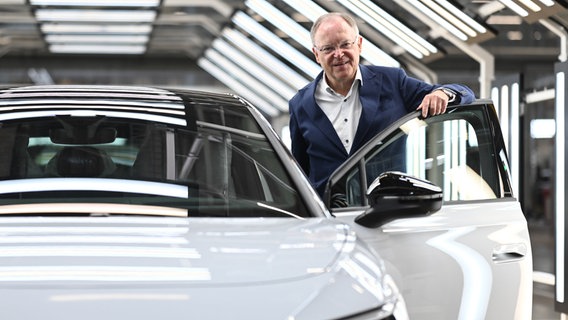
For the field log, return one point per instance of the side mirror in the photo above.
(395, 195)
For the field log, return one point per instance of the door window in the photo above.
(456, 151)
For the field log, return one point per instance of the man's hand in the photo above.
(434, 103)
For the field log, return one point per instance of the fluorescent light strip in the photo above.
(254, 69)
(94, 184)
(264, 58)
(515, 141)
(278, 45)
(78, 3)
(261, 88)
(462, 16)
(548, 3)
(281, 21)
(531, 5)
(375, 17)
(101, 49)
(397, 27)
(560, 187)
(68, 15)
(515, 7)
(92, 113)
(96, 28)
(101, 39)
(370, 52)
(238, 87)
(449, 17)
(441, 21)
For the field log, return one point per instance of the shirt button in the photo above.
(345, 120)
(346, 141)
(344, 100)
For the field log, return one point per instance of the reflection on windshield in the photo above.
(208, 160)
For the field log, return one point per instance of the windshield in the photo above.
(214, 162)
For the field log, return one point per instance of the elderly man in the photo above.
(349, 103)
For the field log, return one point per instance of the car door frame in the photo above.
(452, 229)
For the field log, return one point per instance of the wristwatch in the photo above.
(449, 92)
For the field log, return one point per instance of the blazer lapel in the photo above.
(368, 94)
(320, 120)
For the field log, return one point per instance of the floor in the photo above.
(542, 241)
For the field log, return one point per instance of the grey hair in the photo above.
(348, 18)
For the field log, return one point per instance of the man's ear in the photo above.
(315, 52)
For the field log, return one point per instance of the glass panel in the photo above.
(455, 154)
(220, 164)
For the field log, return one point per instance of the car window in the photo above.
(455, 151)
(215, 162)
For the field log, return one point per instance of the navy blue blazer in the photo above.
(386, 95)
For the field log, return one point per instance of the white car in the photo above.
(144, 203)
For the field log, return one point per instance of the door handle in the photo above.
(509, 252)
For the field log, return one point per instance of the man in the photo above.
(348, 103)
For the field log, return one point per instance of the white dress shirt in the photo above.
(343, 111)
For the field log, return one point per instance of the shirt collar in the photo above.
(328, 89)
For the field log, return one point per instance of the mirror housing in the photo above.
(395, 195)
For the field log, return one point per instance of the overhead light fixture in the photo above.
(97, 49)
(261, 88)
(241, 89)
(276, 44)
(264, 58)
(92, 3)
(370, 52)
(281, 21)
(452, 19)
(126, 39)
(386, 24)
(68, 15)
(254, 69)
(532, 10)
(70, 28)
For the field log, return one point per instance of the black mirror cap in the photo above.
(395, 195)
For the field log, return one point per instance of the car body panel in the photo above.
(473, 257)
(145, 267)
(131, 202)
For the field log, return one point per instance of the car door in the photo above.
(472, 258)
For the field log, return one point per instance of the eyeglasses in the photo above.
(329, 49)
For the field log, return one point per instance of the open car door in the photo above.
(442, 214)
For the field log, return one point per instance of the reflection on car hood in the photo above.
(127, 264)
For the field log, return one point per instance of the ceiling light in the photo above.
(370, 52)
(68, 15)
(125, 39)
(276, 44)
(121, 3)
(264, 58)
(261, 88)
(97, 49)
(281, 21)
(251, 67)
(96, 28)
(391, 27)
(242, 89)
(532, 10)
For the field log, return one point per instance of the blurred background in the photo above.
(511, 51)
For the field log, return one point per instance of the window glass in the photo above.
(455, 153)
(219, 164)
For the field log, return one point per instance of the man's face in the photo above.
(337, 50)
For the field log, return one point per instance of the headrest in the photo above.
(82, 161)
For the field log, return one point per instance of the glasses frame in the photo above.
(330, 49)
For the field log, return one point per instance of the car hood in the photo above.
(95, 267)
